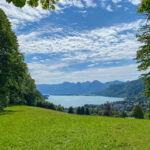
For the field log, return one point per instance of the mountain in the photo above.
(79, 88)
(128, 89)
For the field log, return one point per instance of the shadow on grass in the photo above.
(7, 112)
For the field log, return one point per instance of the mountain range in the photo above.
(128, 89)
(79, 88)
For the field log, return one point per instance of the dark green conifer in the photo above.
(137, 112)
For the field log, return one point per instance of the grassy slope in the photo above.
(31, 128)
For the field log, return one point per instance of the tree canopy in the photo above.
(143, 54)
(16, 84)
(137, 112)
(46, 4)
(145, 8)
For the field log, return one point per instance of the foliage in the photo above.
(87, 111)
(26, 128)
(46, 4)
(107, 110)
(16, 84)
(78, 111)
(60, 108)
(123, 114)
(143, 54)
(46, 104)
(82, 110)
(145, 8)
(148, 110)
(70, 110)
(137, 112)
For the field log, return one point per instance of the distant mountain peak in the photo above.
(79, 88)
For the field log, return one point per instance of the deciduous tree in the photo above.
(16, 84)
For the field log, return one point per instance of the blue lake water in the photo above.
(75, 101)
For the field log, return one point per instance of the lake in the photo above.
(76, 101)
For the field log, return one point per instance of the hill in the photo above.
(23, 128)
(80, 88)
(128, 89)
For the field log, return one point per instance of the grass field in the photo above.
(31, 128)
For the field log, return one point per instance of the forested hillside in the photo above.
(16, 84)
(129, 89)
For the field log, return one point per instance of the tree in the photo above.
(107, 109)
(87, 112)
(78, 110)
(60, 108)
(123, 114)
(46, 4)
(143, 54)
(70, 110)
(16, 84)
(137, 112)
(82, 110)
(12, 67)
(145, 8)
(148, 109)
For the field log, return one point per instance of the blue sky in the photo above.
(82, 40)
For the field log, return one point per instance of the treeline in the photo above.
(49, 105)
(108, 111)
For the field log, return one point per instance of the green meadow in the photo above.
(32, 128)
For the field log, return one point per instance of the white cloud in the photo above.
(35, 58)
(109, 8)
(42, 74)
(40, 66)
(126, 8)
(119, 6)
(69, 3)
(135, 2)
(111, 43)
(90, 3)
(116, 1)
(22, 15)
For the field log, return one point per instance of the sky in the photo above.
(82, 40)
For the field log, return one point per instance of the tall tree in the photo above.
(12, 68)
(143, 54)
(16, 84)
(78, 111)
(107, 109)
(137, 112)
(123, 114)
(87, 111)
(70, 110)
(82, 110)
